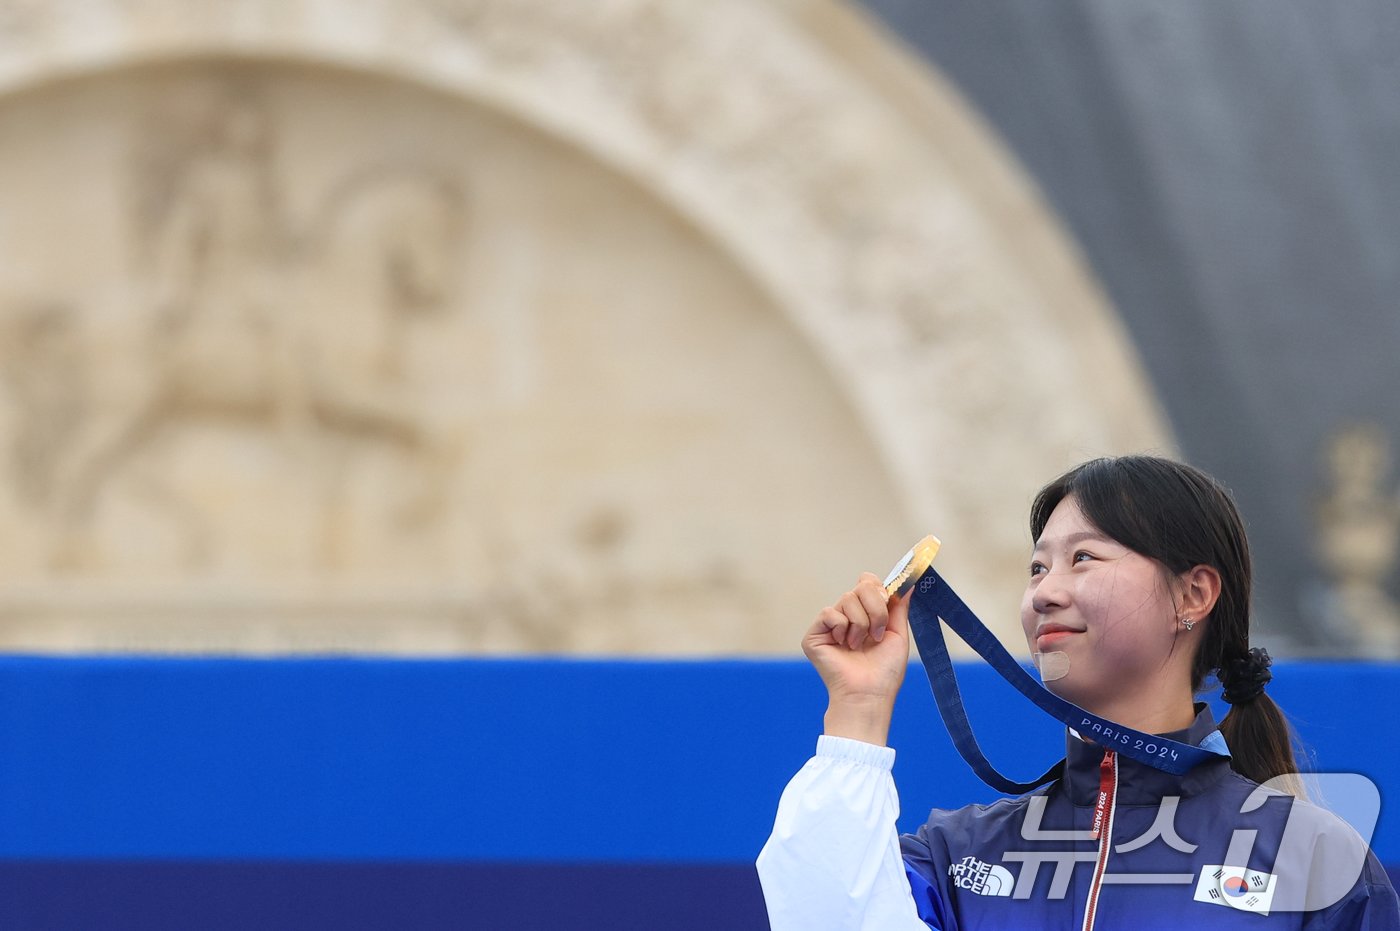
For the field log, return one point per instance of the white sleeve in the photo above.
(833, 858)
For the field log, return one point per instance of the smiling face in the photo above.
(1111, 611)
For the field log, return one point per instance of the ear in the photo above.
(1200, 589)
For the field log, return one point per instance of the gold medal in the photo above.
(903, 576)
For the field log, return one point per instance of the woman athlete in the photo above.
(1140, 577)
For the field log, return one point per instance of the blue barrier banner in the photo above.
(245, 790)
(296, 896)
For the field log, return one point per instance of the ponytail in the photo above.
(1260, 738)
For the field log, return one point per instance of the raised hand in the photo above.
(860, 647)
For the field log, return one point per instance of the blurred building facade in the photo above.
(482, 326)
(1230, 171)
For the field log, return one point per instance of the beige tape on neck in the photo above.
(1052, 666)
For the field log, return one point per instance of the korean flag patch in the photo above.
(1236, 887)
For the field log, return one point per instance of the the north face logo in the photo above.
(981, 877)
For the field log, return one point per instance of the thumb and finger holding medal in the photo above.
(861, 618)
(869, 626)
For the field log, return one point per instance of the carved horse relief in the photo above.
(294, 336)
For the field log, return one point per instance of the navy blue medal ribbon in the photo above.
(933, 599)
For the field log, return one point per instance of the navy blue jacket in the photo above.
(1013, 864)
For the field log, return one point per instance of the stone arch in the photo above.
(847, 181)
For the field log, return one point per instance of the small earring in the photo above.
(1187, 623)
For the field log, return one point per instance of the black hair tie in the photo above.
(1243, 679)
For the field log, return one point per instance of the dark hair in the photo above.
(1181, 517)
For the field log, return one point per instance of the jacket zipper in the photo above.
(1102, 831)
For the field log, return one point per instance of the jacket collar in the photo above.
(1138, 783)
